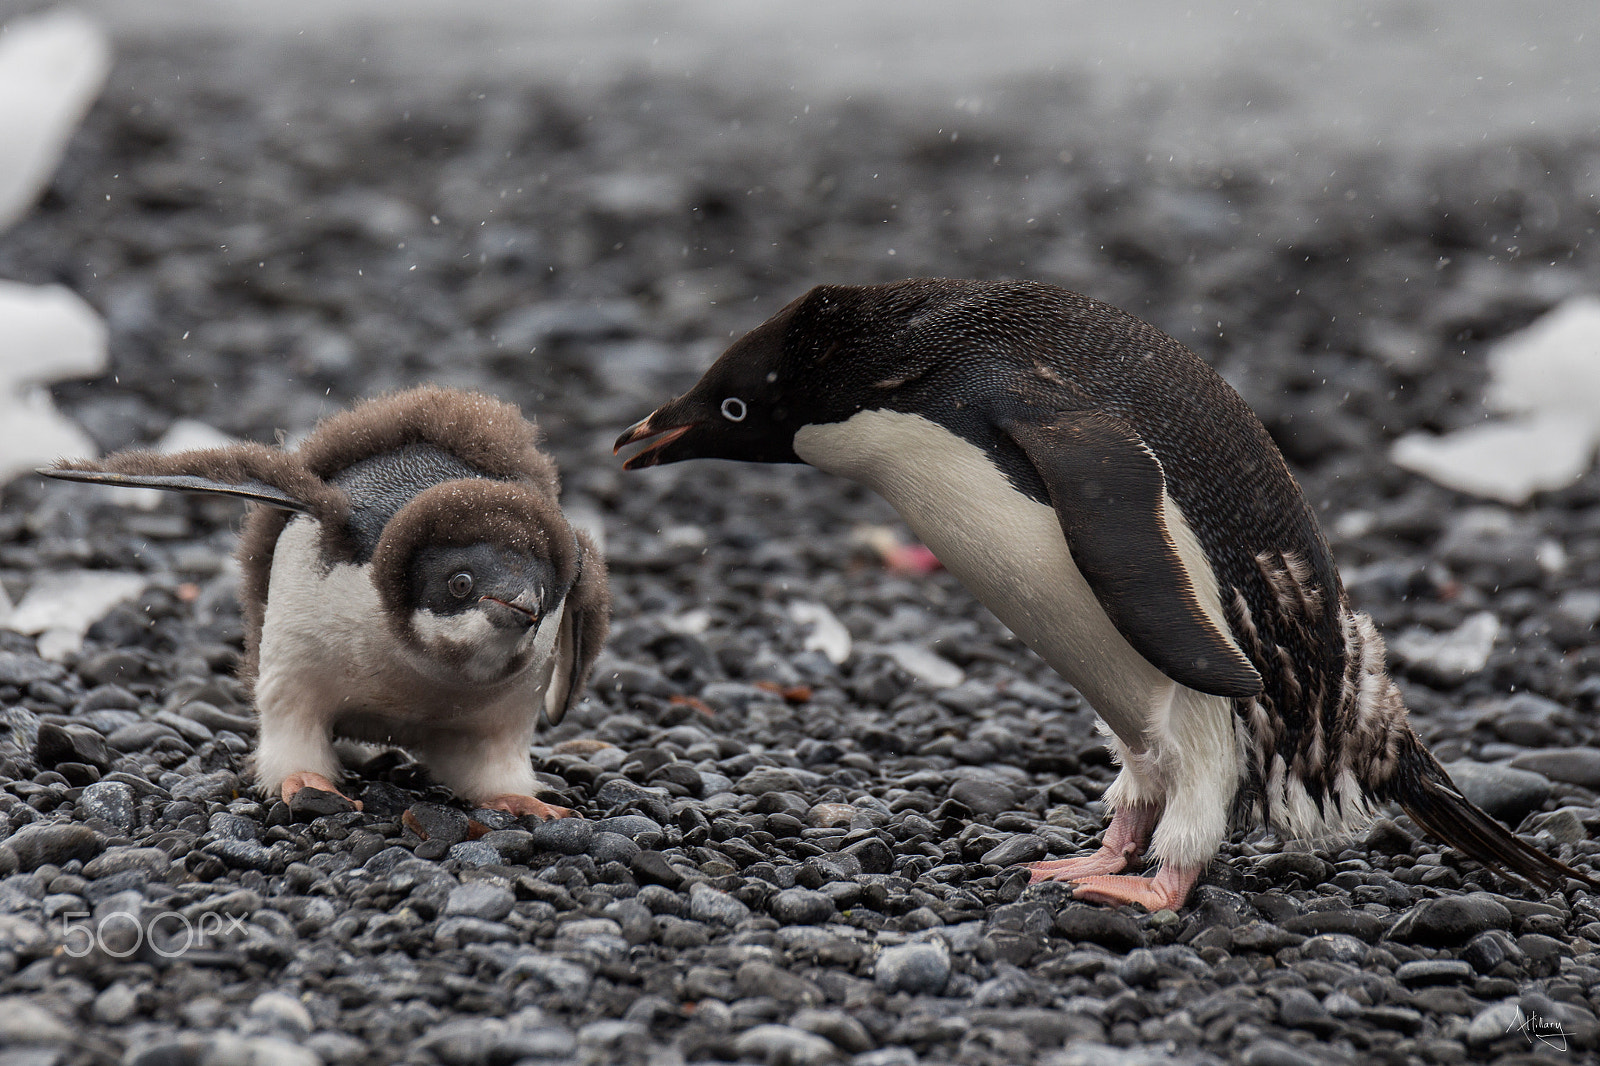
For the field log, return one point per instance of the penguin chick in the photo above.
(1115, 503)
(408, 578)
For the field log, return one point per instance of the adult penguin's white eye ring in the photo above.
(733, 409)
(461, 585)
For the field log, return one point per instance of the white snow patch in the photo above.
(60, 607)
(51, 68)
(1548, 378)
(828, 635)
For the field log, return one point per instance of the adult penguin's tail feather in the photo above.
(1424, 790)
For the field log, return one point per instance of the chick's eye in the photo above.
(461, 585)
(733, 409)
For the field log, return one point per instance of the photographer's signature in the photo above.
(1546, 1031)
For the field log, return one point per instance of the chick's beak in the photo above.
(521, 611)
(646, 429)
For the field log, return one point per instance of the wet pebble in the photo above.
(1575, 766)
(1507, 793)
(707, 904)
(1451, 919)
(480, 899)
(800, 906)
(920, 969)
(784, 1044)
(110, 801)
(54, 843)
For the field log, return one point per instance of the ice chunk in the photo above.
(1507, 461)
(828, 635)
(1547, 377)
(60, 607)
(51, 68)
(1552, 365)
(33, 433)
(47, 333)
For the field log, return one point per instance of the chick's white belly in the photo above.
(330, 658)
(1007, 549)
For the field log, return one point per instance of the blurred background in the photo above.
(269, 210)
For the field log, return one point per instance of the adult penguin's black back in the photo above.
(1179, 512)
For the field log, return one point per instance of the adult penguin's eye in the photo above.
(733, 409)
(461, 585)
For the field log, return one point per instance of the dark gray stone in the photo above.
(1091, 924)
(1359, 924)
(244, 855)
(309, 803)
(220, 787)
(563, 836)
(152, 861)
(1308, 869)
(872, 855)
(1025, 847)
(785, 1044)
(707, 904)
(474, 853)
(983, 797)
(1264, 938)
(1489, 949)
(1505, 792)
(434, 822)
(1575, 766)
(801, 906)
(631, 826)
(480, 899)
(918, 968)
(57, 744)
(652, 867)
(514, 846)
(613, 847)
(1424, 972)
(1451, 920)
(1334, 947)
(53, 842)
(1299, 1009)
(20, 669)
(111, 801)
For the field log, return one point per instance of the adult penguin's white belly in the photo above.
(1010, 552)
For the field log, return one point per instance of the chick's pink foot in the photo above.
(307, 779)
(519, 805)
(1167, 890)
